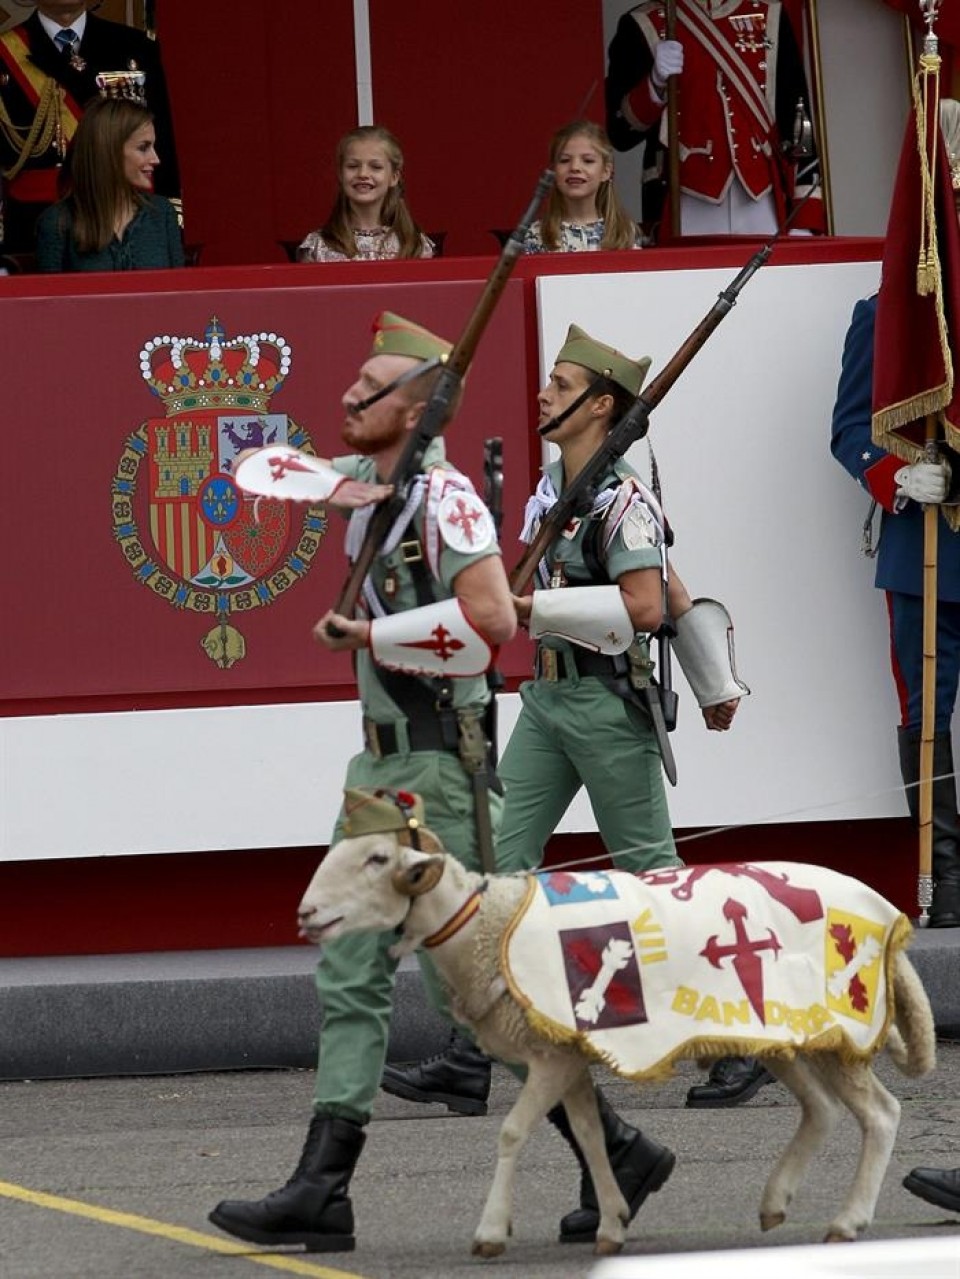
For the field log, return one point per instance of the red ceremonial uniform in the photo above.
(738, 94)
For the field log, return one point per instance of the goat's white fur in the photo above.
(373, 883)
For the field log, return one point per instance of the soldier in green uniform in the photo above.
(603, 587)
(437, 590)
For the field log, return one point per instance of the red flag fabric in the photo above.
(914, 370)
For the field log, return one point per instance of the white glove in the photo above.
(667, 61)
(925, 482)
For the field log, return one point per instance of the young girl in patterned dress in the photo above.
(583, 211)
(369, 219)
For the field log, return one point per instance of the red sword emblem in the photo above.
(279, 466)
(747, 963)
(465, 518)
(441, 642)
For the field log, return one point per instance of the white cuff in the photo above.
(594, 617)
(438, 639)
(704, 649)
(285, 473)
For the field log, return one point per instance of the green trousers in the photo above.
(571, 733)
(355, 976)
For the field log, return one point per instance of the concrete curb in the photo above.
(168, 1013)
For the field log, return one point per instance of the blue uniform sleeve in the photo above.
(851, 440)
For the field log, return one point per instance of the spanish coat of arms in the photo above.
(205, 546)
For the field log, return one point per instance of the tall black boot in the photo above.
(459, 1077)
(640, 1166)
(313, 1207)
(945, 910)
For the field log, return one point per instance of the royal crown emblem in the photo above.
(206, 547)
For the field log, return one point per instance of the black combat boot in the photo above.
(945, 910)
(639, 1165)
(731, 1081)
(459, 1077)
(313, 1207)
(940, 1186)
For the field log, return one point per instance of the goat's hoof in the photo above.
(607, 1247)
(487, 1248)
(834, 1235)
(770, 1220)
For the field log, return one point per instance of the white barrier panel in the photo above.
(766, 521)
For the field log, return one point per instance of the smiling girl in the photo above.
(369, 219)
(583, 211)
(111, 220)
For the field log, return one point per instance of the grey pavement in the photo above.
(163, 1150)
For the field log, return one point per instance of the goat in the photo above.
(468, 922)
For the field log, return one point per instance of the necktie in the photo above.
(66, 41)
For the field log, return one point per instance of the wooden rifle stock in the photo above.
(437, 409)
(578, 497)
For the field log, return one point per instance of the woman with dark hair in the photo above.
(370, 219)
(583, 210)
(110, 220)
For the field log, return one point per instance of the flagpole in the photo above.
(930, 71)
(931, 517)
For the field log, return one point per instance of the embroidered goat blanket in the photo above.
(701, 961)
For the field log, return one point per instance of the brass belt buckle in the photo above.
(549, 664)
(411, 552)
(371, 738)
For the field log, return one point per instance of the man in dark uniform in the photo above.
(48, 70)
(902, 490)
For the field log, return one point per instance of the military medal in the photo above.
(78, 63)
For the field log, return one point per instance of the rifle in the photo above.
(435, 414)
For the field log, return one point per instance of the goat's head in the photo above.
(366, 884)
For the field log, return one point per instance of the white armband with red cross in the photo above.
(594, 617)
(285, 473)
(437, 639)
(704, 648)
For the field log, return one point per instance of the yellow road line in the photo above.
(178, 1234)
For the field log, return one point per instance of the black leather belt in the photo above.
(384, 739)
(554, 664)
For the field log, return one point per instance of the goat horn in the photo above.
(414, 881)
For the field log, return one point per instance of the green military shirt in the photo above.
(394, 583)
(637, 543)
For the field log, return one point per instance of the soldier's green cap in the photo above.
(581, 348)
(369, 810)
(393, 335)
